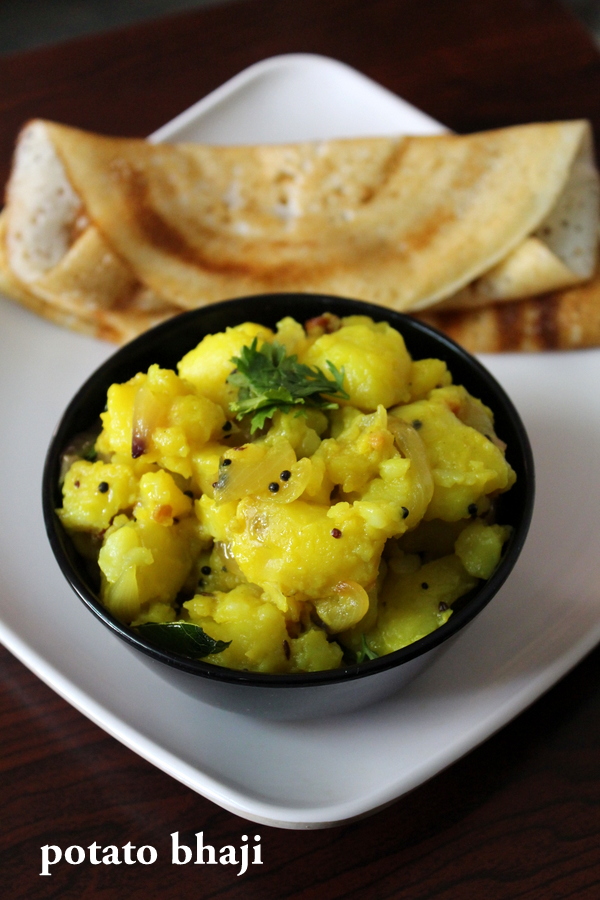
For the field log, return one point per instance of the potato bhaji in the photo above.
(289, 500)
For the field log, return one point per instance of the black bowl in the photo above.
(289, 695)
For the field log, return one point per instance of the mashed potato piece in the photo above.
(293, 536)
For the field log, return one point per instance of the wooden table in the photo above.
(519, 817)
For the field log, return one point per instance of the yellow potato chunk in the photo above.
(258, 635)
(354, 455)
(161, 501)
(256, 629)
(374, 358)
(425, 376)
(281, 543)
(143, 563)
(208, 366)
(205, 467)
(199, 418)
(303, 432)
(414, 604)
(479, 547)
(94, 493)
(292, 335)
(156, 418)
(466, 466)
(117, 420)
(312, 652)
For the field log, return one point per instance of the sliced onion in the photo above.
(147, 415)
(473, 413)
(252, 468)
(344, 607)
(295, 485)
(411, 446)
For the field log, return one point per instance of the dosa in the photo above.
(86, 294)
(96, 226)
(562, 320)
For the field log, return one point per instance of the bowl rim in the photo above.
(273, 305)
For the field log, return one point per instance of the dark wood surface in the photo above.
(519, 817)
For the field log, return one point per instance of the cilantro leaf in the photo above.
(269, 380)
(365, 651)
(183, 638)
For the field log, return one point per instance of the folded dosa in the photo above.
(561, 320)
(406, 222)
(86, 293)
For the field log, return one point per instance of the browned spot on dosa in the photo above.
(563, 320)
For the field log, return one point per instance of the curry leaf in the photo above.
(183, 638)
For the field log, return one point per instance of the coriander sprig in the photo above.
(365, 651)
(268, 380)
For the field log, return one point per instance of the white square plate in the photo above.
(317, 773)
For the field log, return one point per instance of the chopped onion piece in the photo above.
(411, 446)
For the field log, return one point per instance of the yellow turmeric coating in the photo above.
(327, 535)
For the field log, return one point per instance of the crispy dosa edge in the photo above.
(562, 320)
(51, 248)
(117, 325)
(158, 250)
